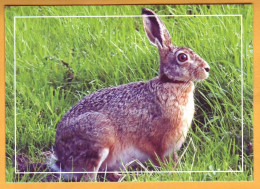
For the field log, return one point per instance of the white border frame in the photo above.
(132, 16)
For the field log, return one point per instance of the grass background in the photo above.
(60, 60)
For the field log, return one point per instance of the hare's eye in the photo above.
(182, 57)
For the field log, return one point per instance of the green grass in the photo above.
(103, 52)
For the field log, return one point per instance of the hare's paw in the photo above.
(114, 177)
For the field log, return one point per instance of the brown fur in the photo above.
(150, 118)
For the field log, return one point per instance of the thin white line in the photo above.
(113, 16)
(15, 163)
(131, 172)
(122, 16)
(242, 95)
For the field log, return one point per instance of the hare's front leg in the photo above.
(158, 159)
(162, 161)
(175, 160)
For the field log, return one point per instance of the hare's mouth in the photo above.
(204, 75)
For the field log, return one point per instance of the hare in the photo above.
(136, 121)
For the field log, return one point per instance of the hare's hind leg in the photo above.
(93, 164)
(84, 144)
(98, 136)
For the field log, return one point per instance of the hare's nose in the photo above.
(207, 69)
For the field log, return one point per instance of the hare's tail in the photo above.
(53, 163)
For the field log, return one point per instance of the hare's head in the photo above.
(177, 63)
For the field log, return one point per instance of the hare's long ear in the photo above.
(155, 29)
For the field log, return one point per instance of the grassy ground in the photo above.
(60, 60)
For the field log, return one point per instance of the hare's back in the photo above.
(134, 98)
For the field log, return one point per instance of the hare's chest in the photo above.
(181, 119)
(181, 109)
(186, 115)
(187, 111)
